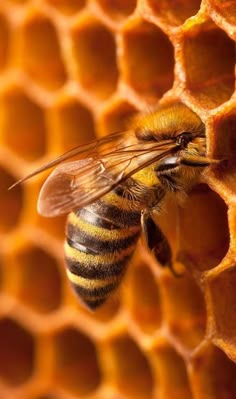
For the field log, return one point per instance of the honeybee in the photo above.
(113, 190)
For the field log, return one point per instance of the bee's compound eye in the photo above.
(183, 139)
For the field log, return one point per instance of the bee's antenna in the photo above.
(18, 182)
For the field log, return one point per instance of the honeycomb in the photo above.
(71, 70)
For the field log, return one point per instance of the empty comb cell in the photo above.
(12, 201)
(17, 353)
(76, 365)
(23, 125)
(93, 53)
(147, 63)
(209, 78)
(39, 54)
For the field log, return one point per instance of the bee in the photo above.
(114, 189)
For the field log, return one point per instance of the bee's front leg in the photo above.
(156, 241)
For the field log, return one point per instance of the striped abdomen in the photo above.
(100, 240)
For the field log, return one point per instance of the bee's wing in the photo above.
(74, 185)
(83, 151)
(102, 165)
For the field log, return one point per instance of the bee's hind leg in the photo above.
(157, 242)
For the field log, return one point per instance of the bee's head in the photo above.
(191, 144)
(174, 123)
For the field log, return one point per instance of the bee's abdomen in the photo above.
(100, 240)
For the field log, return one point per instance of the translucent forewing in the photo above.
(83, 151)
(75, 184)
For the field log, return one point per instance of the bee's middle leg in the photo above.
(156, 241)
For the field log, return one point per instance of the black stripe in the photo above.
(98, 271)
(96, 219)
(89, 243)
(93, 304)
(122, 217)
(91, 292)
(80, 247)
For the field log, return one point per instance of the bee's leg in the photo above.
(167, 170)
(197, 161)
(171, 163)
(157, 242)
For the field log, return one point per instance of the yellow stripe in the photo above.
(88, 259)
(100, 232)
(122, 203)
(147, 177)
(90, 283)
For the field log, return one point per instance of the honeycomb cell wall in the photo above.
(74, 70)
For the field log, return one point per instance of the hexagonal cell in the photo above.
(71, 125)
(224, 140)
(213, 375)
(147, 63)
(118, 9)
(222, 297)
(67, 7)
(39, 280)
(183, 297)
(39, 53)
(223, 146)
(174, 12)
(204, 246)
(17, 353)
(225, 8)
(76, 367)
(11, 202)
(143, 299)
(209, 59)
(171, 373)
(94, 57)
(115, 117)
(4, 41)
(127, 368)
(22, 122)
